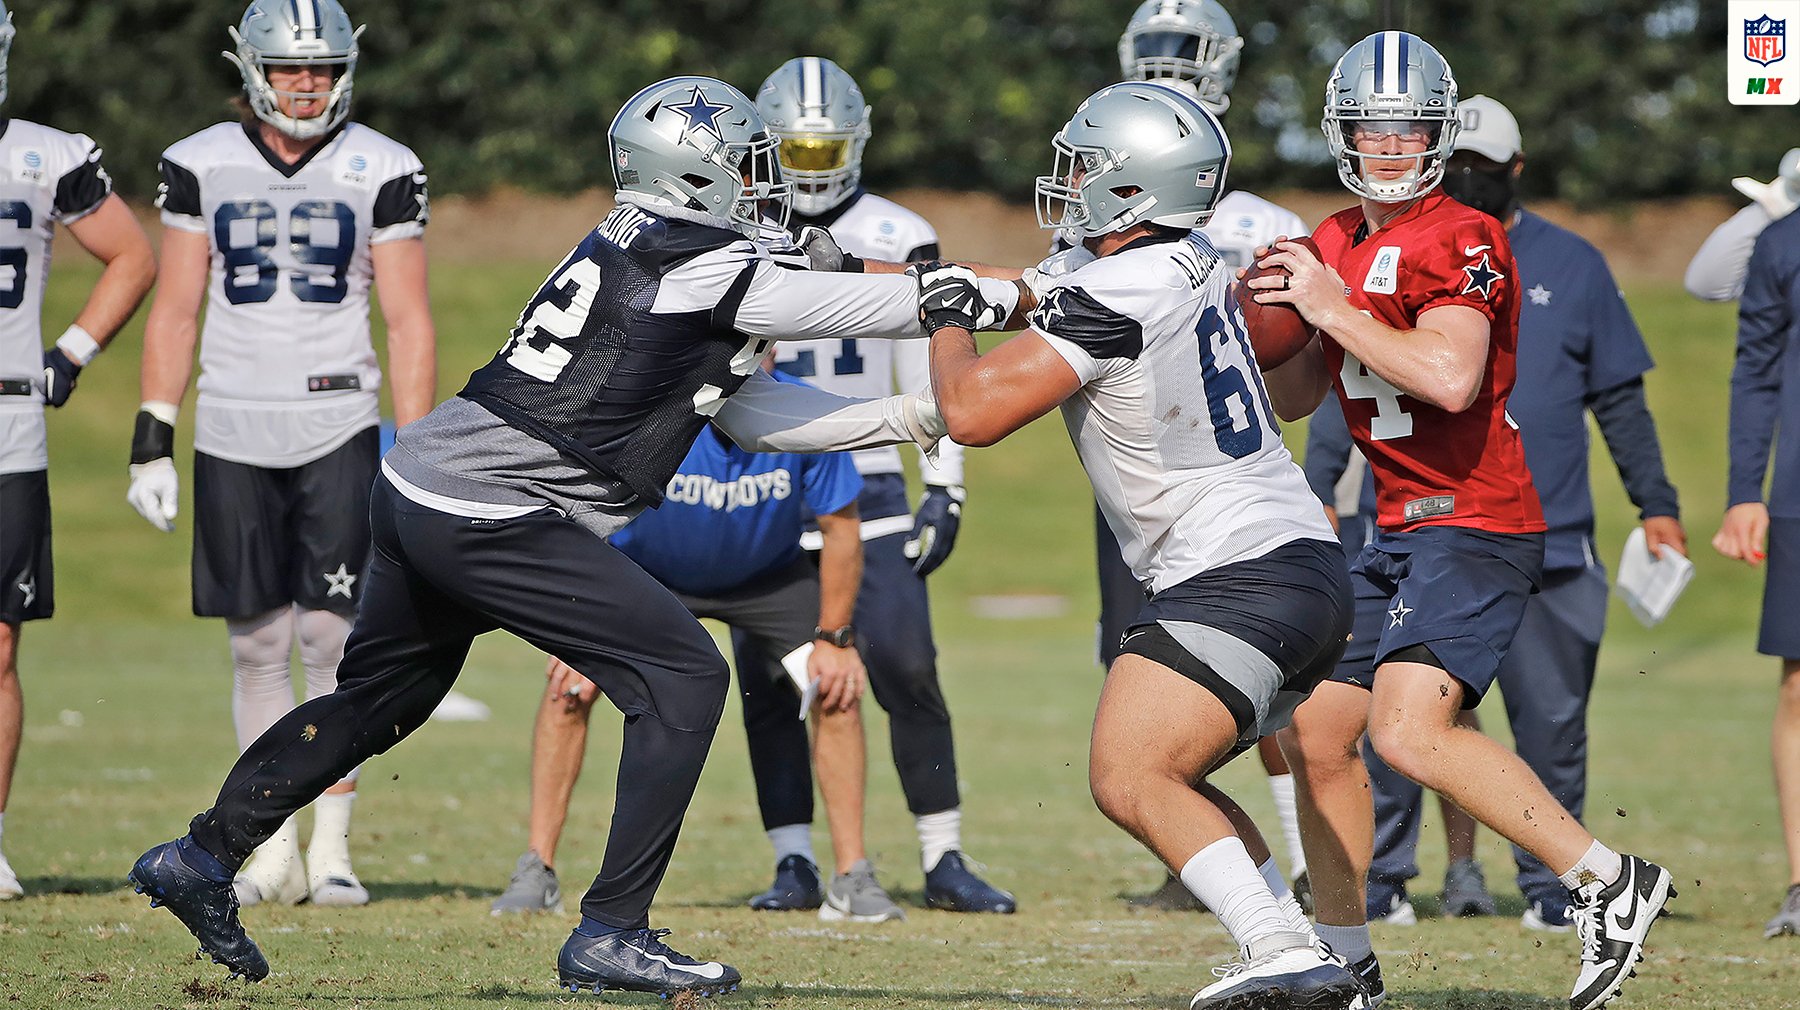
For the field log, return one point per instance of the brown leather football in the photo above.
(1277, 332)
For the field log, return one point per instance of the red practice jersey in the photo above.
(1433, 467)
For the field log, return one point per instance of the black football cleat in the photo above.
(1368, 971)
(796, 887)
(208, 908)
(952, 887)
(1613, 920)
(636, 960)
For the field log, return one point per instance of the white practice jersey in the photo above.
(287, 370)
(46, 176)
(1172, 423)
(1244, 222)
(873, 228)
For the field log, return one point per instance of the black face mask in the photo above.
(1492, 193)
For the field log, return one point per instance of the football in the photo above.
(1277, 332)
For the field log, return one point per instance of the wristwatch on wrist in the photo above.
(843, 637)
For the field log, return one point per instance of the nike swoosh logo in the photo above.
(1624, 922)
(1470, 250)
(711, 969)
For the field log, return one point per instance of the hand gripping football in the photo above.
(1277, 331)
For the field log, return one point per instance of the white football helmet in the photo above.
(1135, 153)
(7, 31)
(1391, 81)
(1192, 44)
(697, 143)
(818, 113)
(296, 33)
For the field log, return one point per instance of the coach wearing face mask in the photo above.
(1579, 352)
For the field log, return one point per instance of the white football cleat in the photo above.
(459, 707)
(338, 887)
(10, 888)
(1285, 970)
(1613, 921)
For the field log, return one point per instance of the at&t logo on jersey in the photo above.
(1384, 272)
(1756, 54)
(28, 166)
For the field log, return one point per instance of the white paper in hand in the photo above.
(1650, 585)
(795, 665)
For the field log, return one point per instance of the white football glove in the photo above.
(1779, 196)
(153, 492)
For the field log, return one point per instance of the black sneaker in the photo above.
(1171, 896)
(208, 908)
(1368, 972)
(1465, 891)
(1612, 921)
(636, 960)
(796, 887)
(953, 887)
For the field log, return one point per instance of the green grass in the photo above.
(128, 732)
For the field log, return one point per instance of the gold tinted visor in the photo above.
(815, 154)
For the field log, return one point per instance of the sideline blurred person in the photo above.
(1716, 273)
(55, 177)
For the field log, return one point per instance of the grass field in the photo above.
(128, 733)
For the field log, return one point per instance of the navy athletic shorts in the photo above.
(1781, 593)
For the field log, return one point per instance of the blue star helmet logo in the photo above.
(701, 115)
(1481, 277)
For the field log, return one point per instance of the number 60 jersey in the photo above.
(287, 371)
(1172, 422)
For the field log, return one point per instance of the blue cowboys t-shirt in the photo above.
(730, 516)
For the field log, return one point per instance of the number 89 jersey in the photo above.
(1431, 466)
(1172, 423)
(287, 370)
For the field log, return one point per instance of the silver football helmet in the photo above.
(699, 144)
(7, 31)
(817, 112)
(1396, 84)
(1192, 44)
(1134, 153)
(296, 33)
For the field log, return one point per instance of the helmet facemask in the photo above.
(7, 31)
(766, 199)
(1197, 58)
(265, 100)
(823, 162)
(1355, 165)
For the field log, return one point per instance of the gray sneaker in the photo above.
(1786, 921)
(533, 888)
(857, 897)
(1465, 891)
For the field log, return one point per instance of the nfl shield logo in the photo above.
(1765, 40)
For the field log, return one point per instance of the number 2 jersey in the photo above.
(46, 176)
(287, 369)
(1433, 467)
(1172, 422)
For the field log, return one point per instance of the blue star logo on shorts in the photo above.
(1399, 612)
(701, 115)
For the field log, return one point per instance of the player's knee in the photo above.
(1118, 789)
(1405, 744)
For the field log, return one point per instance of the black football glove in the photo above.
(950, 295)
(934, 527)
(59, 377)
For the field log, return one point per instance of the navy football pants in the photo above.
(435, 582)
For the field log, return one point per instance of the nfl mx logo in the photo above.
(1765, 40)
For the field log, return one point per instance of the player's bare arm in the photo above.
(985, 397)
(174, 324)
(1298, 385)
(1440, 361)
(112, 235)
(400, 279)
(839, 670)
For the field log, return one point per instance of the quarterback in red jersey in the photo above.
(1417, 302)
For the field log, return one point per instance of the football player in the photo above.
(491, 513)
(818, 114)
(279, 224)
(1140, 342)
(1718, 269)
(1194, 45)
(1417, 299)
(52, 177)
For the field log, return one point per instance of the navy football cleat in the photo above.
(953, 887)
(1368, 972)
(1297, 974)
(208, 908)
(636, 960)
(796, 887)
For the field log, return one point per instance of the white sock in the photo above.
(1282, 788)
(1597, 862)
(792, 840)
(1271, 875)
(1348, 942)
(262, 690)
(329, 853)
(1284, 896)
(1223, 876)
(938, 833)
(268, 865)
(2, 826)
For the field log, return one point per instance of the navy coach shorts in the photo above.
(1459, 592)
(1781, 593)
(1258, 634)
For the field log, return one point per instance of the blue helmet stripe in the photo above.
(1400, 64)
